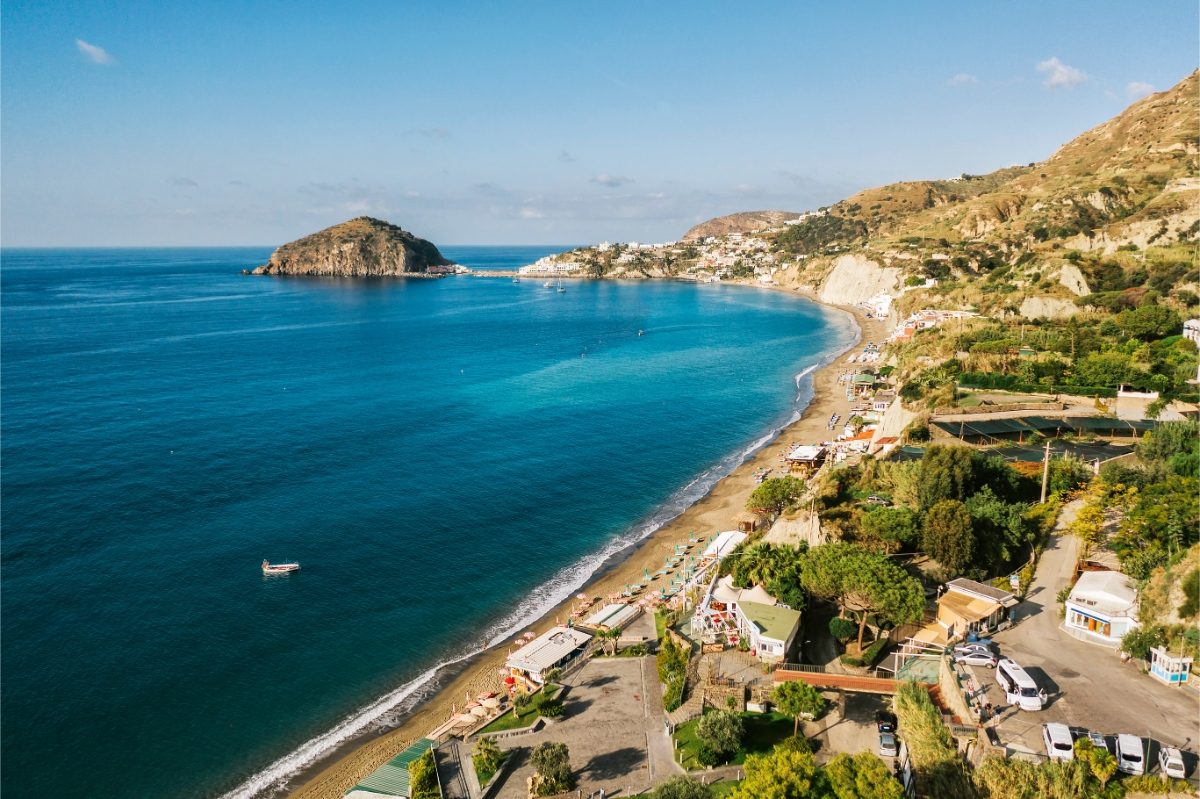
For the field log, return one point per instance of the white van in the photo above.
(1018, 686)
(1059, 745)
(1130, 757)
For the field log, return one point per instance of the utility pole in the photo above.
(1045, 470)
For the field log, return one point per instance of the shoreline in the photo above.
(429, 700)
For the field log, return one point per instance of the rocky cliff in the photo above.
(361, 247)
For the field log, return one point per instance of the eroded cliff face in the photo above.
(855, 278)
(362, 247)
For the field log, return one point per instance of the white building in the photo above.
(1101, 608)
(551, 649)
(548, 266)
(749, 614)
(1191, 330)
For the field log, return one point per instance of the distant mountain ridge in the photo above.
(361, 247)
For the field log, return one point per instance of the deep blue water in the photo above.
(444, 457)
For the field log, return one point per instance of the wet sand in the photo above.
(714, 512)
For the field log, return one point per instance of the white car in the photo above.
(1059, 745)
(1170, 760)
(1131, 758)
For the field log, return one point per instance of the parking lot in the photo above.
(849, 726)
(1088, 687)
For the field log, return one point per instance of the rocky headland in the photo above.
(361, 247)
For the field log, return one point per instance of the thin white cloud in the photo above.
(94, 53)
(430, 133)
(1059, 75)
(963, 79)
(531, 213)
(612, 181)
(1139, 88)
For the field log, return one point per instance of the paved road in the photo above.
(614, 727)
(1088, 685)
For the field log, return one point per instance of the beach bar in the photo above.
(612, 617)
(550, 650)
(805, 459)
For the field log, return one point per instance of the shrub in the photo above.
(487, 759)
(721, 731)
(552, 761)
(422, 777)
(842, 629)
(682, 787)
(1191, 595)
(1139, 641)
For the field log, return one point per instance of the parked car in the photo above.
(885, 721)
(1170, 760)
(976, 657)
(875, 499)
(888, 746)
(1098, 740)
(967, 649)
(1130, 757)
(1059, 745)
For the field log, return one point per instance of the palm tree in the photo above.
(608, 637)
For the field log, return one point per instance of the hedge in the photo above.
(1010, 383)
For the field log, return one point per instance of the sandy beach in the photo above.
(714, 512)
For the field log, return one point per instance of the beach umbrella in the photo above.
(646, 575)
(581, 596)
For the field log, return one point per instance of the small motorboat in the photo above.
(279, 568)
(547, 285)
(516, 280)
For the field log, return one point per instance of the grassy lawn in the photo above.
(763, 731)
(511, 720)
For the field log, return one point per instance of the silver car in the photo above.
(888, 746)
(976, 657)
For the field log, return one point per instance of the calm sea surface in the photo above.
(444, 457)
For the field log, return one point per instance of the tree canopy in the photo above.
(797, 699)
(863, 583)
(947, 535)
(862, 776)
(772, 497)
(785, 773)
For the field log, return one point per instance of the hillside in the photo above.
(744, 222)
(1114, 209)
(360, 247)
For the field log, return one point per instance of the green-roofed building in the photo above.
(771, 629)
(391, 779)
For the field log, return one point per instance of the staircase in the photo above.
(452, 764)
(693, 706)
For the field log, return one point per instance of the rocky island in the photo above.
(360, 247)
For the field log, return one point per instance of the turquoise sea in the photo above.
(446, 458)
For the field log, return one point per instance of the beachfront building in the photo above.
(550, 650)
(1101, 608)
(805, 459)
(751, 615)
(967, 606)
(612, 617)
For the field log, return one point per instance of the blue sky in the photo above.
(161, 123)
